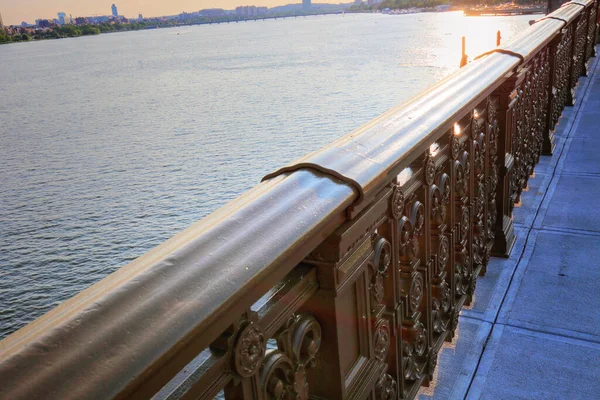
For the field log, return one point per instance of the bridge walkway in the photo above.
(533, 331)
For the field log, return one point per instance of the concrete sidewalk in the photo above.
(533, 331)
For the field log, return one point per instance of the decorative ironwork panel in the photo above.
(413, 280)
(561, 89)
(579, 52)
(591, 35)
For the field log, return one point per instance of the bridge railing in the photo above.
(340, 275)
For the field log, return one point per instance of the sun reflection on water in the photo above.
(480, 33)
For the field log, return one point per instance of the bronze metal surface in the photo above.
(339, 276)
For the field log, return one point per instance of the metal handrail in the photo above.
(156, 313)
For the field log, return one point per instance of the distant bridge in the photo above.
(505, 11)
(267, 17)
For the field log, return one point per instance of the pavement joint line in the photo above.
(517, 276)
(494, 322)
(505, 268)
(581, 174)
(555, 334)
(480, 316)
(576, 118)
(473, 318)
(524, 225)
(490, 346)
(546, 332)
(552, 335)
(480, 334)
(568, 231)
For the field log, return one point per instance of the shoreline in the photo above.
(151, 26)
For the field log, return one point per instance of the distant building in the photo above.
(81, 21)
(250, 11)
(115, 13)
(1, 22)
(189, 16)
(99, 19)
(140, 16)
(213, 12)
(61, 18)
(306, 5)
(43, 23)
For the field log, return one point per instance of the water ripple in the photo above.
(111, 145)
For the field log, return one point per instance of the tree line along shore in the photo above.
(22, 34)
(26, 33)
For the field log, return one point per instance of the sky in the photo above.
(16, 11)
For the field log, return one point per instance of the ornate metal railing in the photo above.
(339, 276)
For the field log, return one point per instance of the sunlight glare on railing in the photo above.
(433, 149)
(457, 129)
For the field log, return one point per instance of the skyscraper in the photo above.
(115, 13)
(1, 23)
(306, 5)
(61, 18)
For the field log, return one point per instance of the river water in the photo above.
(111, 144)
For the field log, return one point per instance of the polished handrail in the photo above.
(156, 313)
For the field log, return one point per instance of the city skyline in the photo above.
(29, 10)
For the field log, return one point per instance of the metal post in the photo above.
(464, 57)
